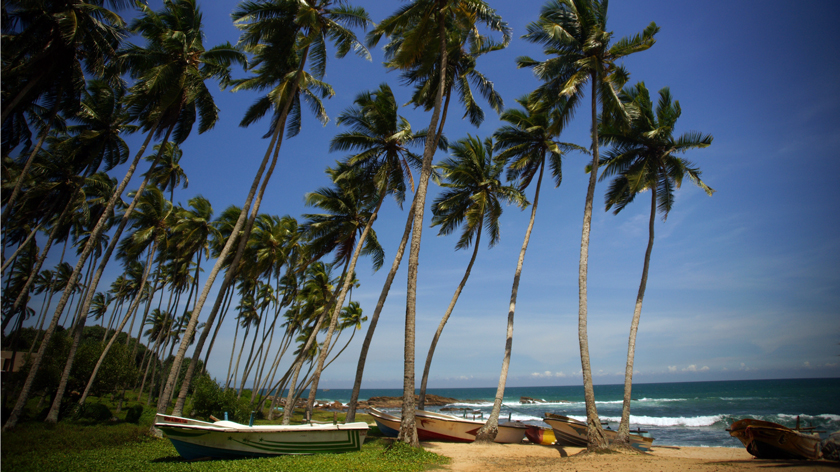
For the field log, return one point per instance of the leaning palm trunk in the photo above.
(132, 308)
(52, 417)
(408, 427)
(10, 205)
(624, 426)
(289, 408)
(14, 416)
(596, 438)
(421, 404)
(24, 292)
(20, 247)
(488, 432)
(348, 281)
(275, 144)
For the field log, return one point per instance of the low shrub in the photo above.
(95, 412)
(134, 413)
(209, 398)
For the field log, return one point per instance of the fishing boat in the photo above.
(572, 433)
(433, 426)
(766, 440)
(541, 436)
(195, 439)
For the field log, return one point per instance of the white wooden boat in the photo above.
(194, 439)
(572, 433)
(433, 426)
(766, 440)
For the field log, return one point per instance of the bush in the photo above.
(96, 412)
(134, 414)
(209, 398)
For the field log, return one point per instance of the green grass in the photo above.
(116, 447)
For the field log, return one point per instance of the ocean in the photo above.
(676, 414)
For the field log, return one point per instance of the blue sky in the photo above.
(743, 284)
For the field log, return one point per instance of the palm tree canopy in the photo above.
(574, 34)
(170, 72)
(474, 192)
(644, 154)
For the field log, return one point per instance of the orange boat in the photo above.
(766, 440)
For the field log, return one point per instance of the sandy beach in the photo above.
(533, 458)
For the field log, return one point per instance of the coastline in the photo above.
(534, 458)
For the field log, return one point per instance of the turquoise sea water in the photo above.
(676, 414)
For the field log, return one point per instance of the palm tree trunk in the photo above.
(232, 351)
(348, 280)
(595, 434)
(20, 248)
(360, 368)
(408, 428)
(239, 357)
(624, 426)
(421, 404)
(185, 384)
(289, 409)
(37, 268)
(49, 301)
(132, 308)
(14, 416)
(281, 124)
(488, 432)
(10, 205)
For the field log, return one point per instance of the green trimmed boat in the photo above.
(194, 439)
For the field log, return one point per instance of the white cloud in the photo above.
(807, 364)
(547, 375)
(672, 368)
(831, 364)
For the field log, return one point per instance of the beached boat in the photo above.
(572, 433)
(541, 436)
(766, 440)
(433, 426)
(194, 439)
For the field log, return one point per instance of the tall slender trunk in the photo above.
(232, 352)
(185, 384)
(24, 292)
(421, 404)
(182, 350)
(20, 247)
(595, 434)
(624, 426)
(488, 432)
(348, 281)
(289, 408)
(132, 308)
(10, 205)
(14, 416)
(408, 427)
(52, 417)
(49, 301)
(360, 368)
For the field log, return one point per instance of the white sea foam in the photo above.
(662, 399)
(691, 422)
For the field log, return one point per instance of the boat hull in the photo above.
(433, 426)
(542, 436)
(766, 440)
(195, 439)
(572, 433)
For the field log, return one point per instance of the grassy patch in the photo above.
(127, 447)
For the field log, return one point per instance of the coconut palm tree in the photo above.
(418, 36)
(473, 199)
(574, 34)
(168, 173)
(351, 210)
(644, 156)
(48, 48)
(381, 138)
(308, 25)
(528, 142)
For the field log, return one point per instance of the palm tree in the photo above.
(574, 33)
(381, 138)
(418, 33)
(48, 48)
(644, 157)
(168, 96)
(473, 199)
(168, 173)
(528, 143)
(308, 25)
(352, 208)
